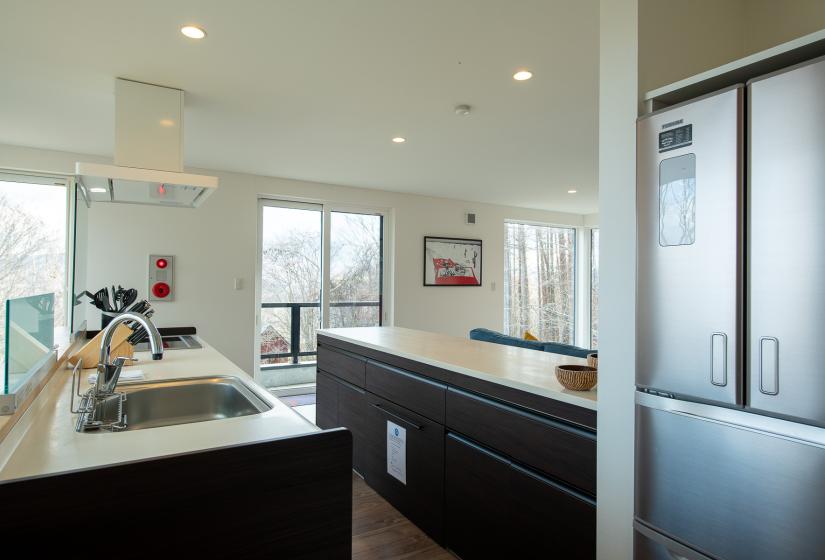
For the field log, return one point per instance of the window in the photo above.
(356, 269)
(319, 266)
(33, 243)
(594, 288)
(540, 281)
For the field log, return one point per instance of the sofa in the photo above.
(487, 335)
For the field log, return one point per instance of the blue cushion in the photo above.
(566, 349)
(487, 335)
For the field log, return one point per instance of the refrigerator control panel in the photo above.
(675, 138)
(161, 275)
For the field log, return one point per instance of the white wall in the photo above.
(618, 97)
(215, 243)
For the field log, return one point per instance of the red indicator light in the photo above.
(161, 290)
(161, 189)
(161, 263)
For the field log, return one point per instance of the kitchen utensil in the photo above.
(128, 298)
(100, 300)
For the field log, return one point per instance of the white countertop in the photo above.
(528, 370)
(45, 441)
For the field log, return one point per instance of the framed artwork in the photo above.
(450, 261)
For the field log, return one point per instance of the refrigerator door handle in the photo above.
(769, 365)
(719, 359)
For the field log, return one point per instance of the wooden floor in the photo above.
(379, 532)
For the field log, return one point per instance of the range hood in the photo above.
(148, 152)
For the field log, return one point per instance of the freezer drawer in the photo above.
(689, 269)
(786, 240)
(731, 484)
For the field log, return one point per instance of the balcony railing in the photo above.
(295, 352)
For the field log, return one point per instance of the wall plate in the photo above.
(161, 278)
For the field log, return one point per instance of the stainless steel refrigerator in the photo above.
(730, 400)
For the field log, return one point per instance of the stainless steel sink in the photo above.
(184, 401)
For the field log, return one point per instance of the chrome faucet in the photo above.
(108, 372)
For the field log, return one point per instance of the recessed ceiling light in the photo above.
(572, 191)
(522, 75)
(193, 32)
(98, 190)
(399, 139)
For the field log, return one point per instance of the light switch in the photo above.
(238, 283)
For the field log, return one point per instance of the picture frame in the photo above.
(452, 262)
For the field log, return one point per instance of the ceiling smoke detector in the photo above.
(462, 110)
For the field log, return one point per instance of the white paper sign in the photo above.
(397, 451)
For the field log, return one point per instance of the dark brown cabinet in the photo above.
(342, 364)
(421, 498)
(550, 520)
(484, 476)
(496, 508)
(353, 414)
(411, 391)
(477, 501)
(326, 401)
(562, 451)
(339, 404)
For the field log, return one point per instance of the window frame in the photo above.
(577, 267)
(327, 207)
(593, 231)
(68, 183)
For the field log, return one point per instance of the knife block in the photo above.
(90, 352)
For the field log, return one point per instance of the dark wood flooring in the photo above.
(380, 532)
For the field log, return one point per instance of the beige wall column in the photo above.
(618, 97)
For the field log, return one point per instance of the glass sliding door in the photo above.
(318, 266)
(290, 282)
(355, 269)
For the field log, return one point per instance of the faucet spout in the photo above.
(108, 372)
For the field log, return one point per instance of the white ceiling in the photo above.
(315, 89)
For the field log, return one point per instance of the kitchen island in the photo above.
(269, 483)
(477, 443)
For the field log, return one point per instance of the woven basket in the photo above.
(577, 378)
(593, 360)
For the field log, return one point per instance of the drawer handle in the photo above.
(401, 419)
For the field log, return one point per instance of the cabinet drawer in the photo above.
(353, 415)
(326, 400)
(349, 367)
(477, 501)
(550, 521)
(411, 391)
(498, 509)
(561, 451)
(421, 499)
